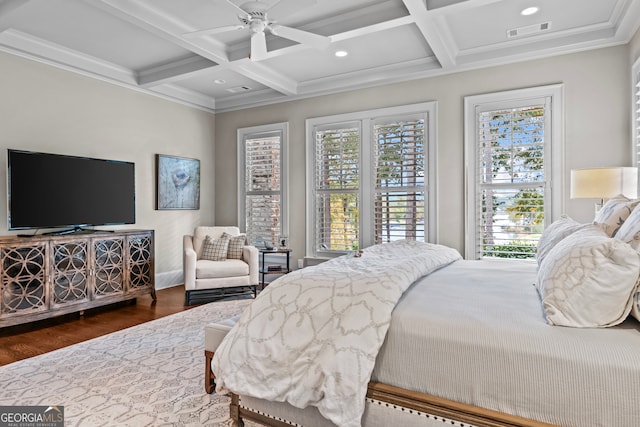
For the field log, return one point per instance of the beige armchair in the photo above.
(206, 280)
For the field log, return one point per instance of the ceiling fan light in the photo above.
(529, 11)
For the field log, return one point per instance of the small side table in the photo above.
(266, 270)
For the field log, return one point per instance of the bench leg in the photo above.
(209, 377)
(234, 411)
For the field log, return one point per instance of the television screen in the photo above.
(50, 190)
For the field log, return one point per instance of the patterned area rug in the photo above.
(148, 375)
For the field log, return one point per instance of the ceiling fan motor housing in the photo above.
(256, 10)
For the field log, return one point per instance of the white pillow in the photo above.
(629, 233)
(614, 213)
(587, 279)
(558, 230)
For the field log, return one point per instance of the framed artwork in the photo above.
(177, 182)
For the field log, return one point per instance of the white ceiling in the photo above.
(141, 43)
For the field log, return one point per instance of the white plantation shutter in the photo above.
(636, 112)
(261, 183)
(336, 187)
(399, 209)
(511, 177)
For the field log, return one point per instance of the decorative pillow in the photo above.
(587, 279)
(629, 232)
(235, 245)
(635, 306)
(558, 230)
(215, 249)
(614, 213)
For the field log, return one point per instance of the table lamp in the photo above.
(604, 183)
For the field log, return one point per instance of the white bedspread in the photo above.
(312, 336)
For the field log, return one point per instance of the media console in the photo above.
(47, 276)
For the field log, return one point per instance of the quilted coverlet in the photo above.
(312, 336)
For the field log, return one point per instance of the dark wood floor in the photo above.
(24, 341)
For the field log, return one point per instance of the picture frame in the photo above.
(177, 182)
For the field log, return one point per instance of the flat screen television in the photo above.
(52, 190)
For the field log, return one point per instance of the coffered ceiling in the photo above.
(145, 44)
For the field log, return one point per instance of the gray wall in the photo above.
(55, 111)
(597, 129)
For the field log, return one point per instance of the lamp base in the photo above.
(599, 206)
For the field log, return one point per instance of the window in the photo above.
(262, 182)
(513, 150)
(367, 178)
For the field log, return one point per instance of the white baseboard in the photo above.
(169, 279)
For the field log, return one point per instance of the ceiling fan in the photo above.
(253, 15)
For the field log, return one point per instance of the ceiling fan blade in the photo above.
(288, 7)
(300, 36)
(258, 46)
(214, 30)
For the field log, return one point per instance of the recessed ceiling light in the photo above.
(341, 53)
(529, 11)
(219, 81)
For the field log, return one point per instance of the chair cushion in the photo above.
(215, 249)
(206, 269)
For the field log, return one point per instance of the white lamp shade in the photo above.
(604, 183)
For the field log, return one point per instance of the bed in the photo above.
(469, 345)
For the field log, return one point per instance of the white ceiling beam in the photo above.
(375, 28)
(8, 6)
(265, 75)
(174, 71)
(433, 32)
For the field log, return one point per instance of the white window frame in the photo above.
(256, 132)
(367, 119)
(554, 151)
